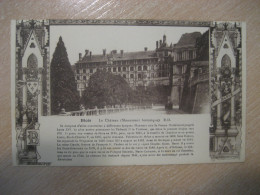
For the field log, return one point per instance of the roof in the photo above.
(118, 56)
(188, 40)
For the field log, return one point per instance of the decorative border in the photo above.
(32, 87)
(226, 82)
(131, 22)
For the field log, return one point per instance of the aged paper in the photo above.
(127, 92)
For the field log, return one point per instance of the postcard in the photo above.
(127, 92)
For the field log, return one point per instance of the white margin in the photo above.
(13, 89)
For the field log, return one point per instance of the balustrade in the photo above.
(102, 111)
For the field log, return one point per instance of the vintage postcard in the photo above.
(127, 92)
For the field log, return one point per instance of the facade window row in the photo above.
(118, 69)
(132, 76)
(186, 55)
(121, 62)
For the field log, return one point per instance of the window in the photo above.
(226, 62)
(32, 61)
(131, 68)
(152, 75)
(104, 69)
(131, 76)
(145, 67)
(78, 71)
(91, 70)
(114, 69)
(124, 75)
(84, 78)
(109, 69)
(190, 54)
(124, 68)
(139, 76)
(179, 56)
(152, 68)
(78, 78)
(119, 69)
(84, 70)
(139, 68)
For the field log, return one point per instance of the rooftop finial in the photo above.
(225, 26)
(32, 23)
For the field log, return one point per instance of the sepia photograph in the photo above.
(98, 70)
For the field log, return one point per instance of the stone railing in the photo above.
(102, 111)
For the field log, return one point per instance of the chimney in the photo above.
(164, 38)
(160, 42)
(86, 52)
(145, 49)
(104, 52)
(80, 56)
(156, 44)
(90, 54)
(122, 52)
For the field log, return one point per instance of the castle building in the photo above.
(140, 68)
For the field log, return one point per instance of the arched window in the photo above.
(32, 61)
(226, 62)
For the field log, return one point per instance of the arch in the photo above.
(32, 61)
(226, 61)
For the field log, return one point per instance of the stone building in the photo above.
(165, 65)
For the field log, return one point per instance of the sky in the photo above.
(95, 38)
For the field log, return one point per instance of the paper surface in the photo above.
(127, 92)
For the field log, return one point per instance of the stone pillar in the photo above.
(233, 102)
(24, 87)
(25, 120)
(219, 126)
(175, 96)
(39, 92)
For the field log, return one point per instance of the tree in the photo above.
(64, 92)
(105, 89)
(202, 45)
